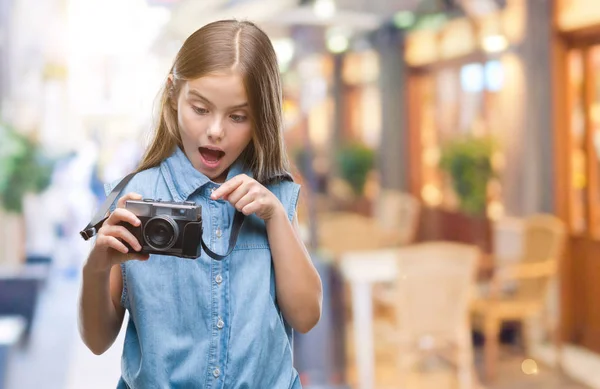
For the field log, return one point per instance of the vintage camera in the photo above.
(167, 228)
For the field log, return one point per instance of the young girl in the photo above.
(205, 323)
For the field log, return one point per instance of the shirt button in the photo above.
(220, 323)
(217, 372)
(218, 232)
(218, 279)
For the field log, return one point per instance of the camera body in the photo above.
(167, 228)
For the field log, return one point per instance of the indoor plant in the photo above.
(24, 169)
(468, 163)
(355, 161)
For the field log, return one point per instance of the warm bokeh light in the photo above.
(529, 367)
(495, 43)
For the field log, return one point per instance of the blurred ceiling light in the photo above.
(495, 43)
(404, 19)
(337, 40)
(284, 49)
(337, 44)
(324, 9)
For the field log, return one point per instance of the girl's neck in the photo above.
(221, 179)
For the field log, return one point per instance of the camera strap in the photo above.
(94, 225)
(238, 221)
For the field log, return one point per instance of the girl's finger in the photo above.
(123, 233)
(240, 192)
(113, 243)
(128, 196)
(122, 215)
(251, 208)
(229, 186)
(244, 201)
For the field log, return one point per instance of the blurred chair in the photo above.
(397, 213)
(507, 240)
(530, 277)
(340, 232)
(394, 223)
(338, 195)
(433, 292)
(507, 235)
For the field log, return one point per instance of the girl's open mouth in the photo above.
(211, 156)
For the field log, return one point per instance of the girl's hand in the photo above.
(109, 249)
(248, 196)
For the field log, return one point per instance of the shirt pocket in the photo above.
(253, 234)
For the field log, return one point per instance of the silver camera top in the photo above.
(187, 210)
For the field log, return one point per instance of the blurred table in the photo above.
(362, 269)
(20, 287)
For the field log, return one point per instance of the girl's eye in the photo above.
(200, 111)
(238, 118)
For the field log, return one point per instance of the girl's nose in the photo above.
(215, 130)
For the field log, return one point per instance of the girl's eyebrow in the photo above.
(199, 96)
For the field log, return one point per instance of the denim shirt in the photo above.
(202, 323)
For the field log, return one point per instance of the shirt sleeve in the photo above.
(108, 187)
(288, 193)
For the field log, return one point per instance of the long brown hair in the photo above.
(221, 46)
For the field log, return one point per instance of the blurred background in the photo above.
(449, 152)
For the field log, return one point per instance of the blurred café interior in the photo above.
(449, 157)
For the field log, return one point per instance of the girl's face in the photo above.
(214, 122)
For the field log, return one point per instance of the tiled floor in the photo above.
(510, 377)
(44, 363)
(56, 358)
(440, 375)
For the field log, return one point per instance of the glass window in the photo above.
(578, 153)
(472, 78)
(453, 101)
(594, 123)
(494, 76)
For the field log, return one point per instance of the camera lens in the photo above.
(161, 233)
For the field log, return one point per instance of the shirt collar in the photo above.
(237, 168)
(183, 179)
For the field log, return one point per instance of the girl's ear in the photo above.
(171, 91)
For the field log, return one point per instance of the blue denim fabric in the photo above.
(204, 323)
